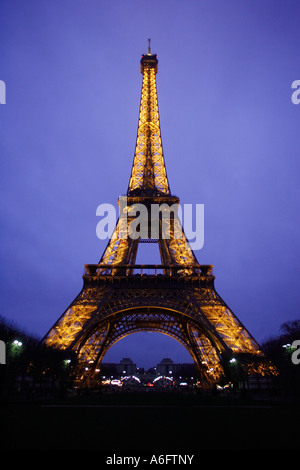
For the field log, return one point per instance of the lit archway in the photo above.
(197, 339)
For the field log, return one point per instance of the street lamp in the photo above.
(15, 348)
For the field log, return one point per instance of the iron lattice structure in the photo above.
(176, 298)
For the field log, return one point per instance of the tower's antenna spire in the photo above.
(149, 48)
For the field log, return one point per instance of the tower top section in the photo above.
(149, 60)
(148, 175)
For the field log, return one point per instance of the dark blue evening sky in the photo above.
(230, 135)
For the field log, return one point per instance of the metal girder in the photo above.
(148, 175)
(184, 307)
(173, 245)
(183, 329)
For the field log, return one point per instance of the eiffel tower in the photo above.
(176, 298)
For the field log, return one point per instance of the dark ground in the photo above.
(150, 422)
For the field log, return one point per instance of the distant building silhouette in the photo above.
(126, 366)
(168, 368)
(165, 367)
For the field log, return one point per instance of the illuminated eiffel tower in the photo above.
(176, 298)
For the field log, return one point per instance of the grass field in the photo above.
(149, 422)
